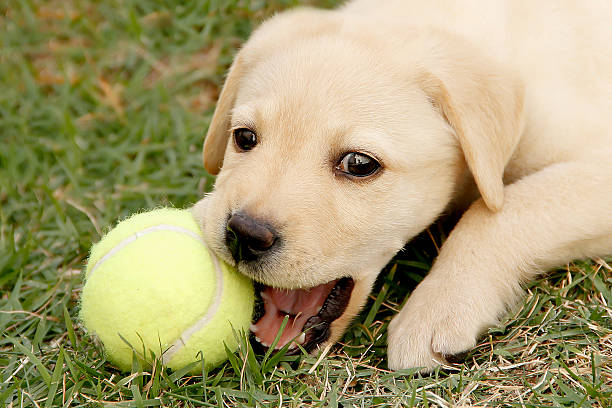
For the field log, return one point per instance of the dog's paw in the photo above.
(437, 326)
(427, 345)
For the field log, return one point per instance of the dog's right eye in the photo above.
(245, 139)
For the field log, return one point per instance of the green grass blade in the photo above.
(275, 341)
(380, 298)
(69, 327)
(44, 372)
(55, 379)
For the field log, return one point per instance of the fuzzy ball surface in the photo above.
(152, 287)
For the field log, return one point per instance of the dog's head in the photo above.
(334, 146)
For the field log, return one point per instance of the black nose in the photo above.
(247, 238)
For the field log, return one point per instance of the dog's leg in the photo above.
(561, 213)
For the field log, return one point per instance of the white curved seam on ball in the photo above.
(131, 238)
(200, 324)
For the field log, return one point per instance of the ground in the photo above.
(103, 109)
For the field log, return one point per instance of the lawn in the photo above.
(103, 110)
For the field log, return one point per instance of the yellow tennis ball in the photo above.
(153, 283)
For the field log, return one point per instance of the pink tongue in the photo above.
(299, 304)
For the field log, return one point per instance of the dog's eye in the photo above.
(358, 164)
(245, 139)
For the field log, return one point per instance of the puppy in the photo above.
(339, 135)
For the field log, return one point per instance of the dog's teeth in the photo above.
(263, 343)
(302, 338)
(253, 327)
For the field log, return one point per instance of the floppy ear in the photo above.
(218, 131)
(483, 103)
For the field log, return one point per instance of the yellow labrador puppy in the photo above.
(339, 135)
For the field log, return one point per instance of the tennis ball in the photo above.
(153, 283)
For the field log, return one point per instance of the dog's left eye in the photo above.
(358, 165)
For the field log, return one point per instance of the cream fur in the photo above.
(510, 96)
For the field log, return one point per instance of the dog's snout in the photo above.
(247, 238)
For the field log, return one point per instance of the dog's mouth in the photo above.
(309, 314)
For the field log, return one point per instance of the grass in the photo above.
(103, 108)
